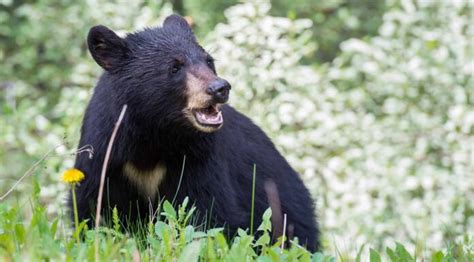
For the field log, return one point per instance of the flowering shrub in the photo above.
(384, 135)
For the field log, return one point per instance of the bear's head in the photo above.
(163, 74)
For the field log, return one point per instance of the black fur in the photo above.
(219, 165)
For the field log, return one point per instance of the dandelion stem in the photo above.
(76, 217)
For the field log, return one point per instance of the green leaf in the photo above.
(402, 253)
(391, 254)
(374, 256)
(266, 223)
(182, 214)
(264, 259)
(437, 257)
(54, 227)
(359, 254)
(241, 232)
(317, 257)
(212, 232)
(191, 252)
(220, 239)
(199, 234)
(185, 203)
(20, 232)
(263, 240)
(275, 253)
(189, 233)
(210, 250)
(170, 213)
(160, 228)
(189, 214)
(267, 214)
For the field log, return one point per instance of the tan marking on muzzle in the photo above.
(196, 91)
(198, 79)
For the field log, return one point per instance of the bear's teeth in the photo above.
(204, 118)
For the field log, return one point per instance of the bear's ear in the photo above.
(107, 48)
(177, 22)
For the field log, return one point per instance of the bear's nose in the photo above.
(219, 90)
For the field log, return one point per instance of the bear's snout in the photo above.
(205, 94)
(219, 90)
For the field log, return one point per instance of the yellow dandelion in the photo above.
(72, 176)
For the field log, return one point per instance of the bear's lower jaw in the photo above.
(207, 119)
(206, 128)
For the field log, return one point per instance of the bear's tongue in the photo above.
(209, 116)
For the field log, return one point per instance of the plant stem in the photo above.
(252, 211)
(76, 217)
(180, 179)
(102, 180)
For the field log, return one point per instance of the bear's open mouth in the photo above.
(209, 116)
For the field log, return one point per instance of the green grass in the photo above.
(40, 238)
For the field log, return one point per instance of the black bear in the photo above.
(179, 139)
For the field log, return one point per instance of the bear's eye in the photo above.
(210, 62)
(176, 67)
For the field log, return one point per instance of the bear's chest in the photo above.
(147, 182)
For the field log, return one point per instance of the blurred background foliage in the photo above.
(371, 101)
